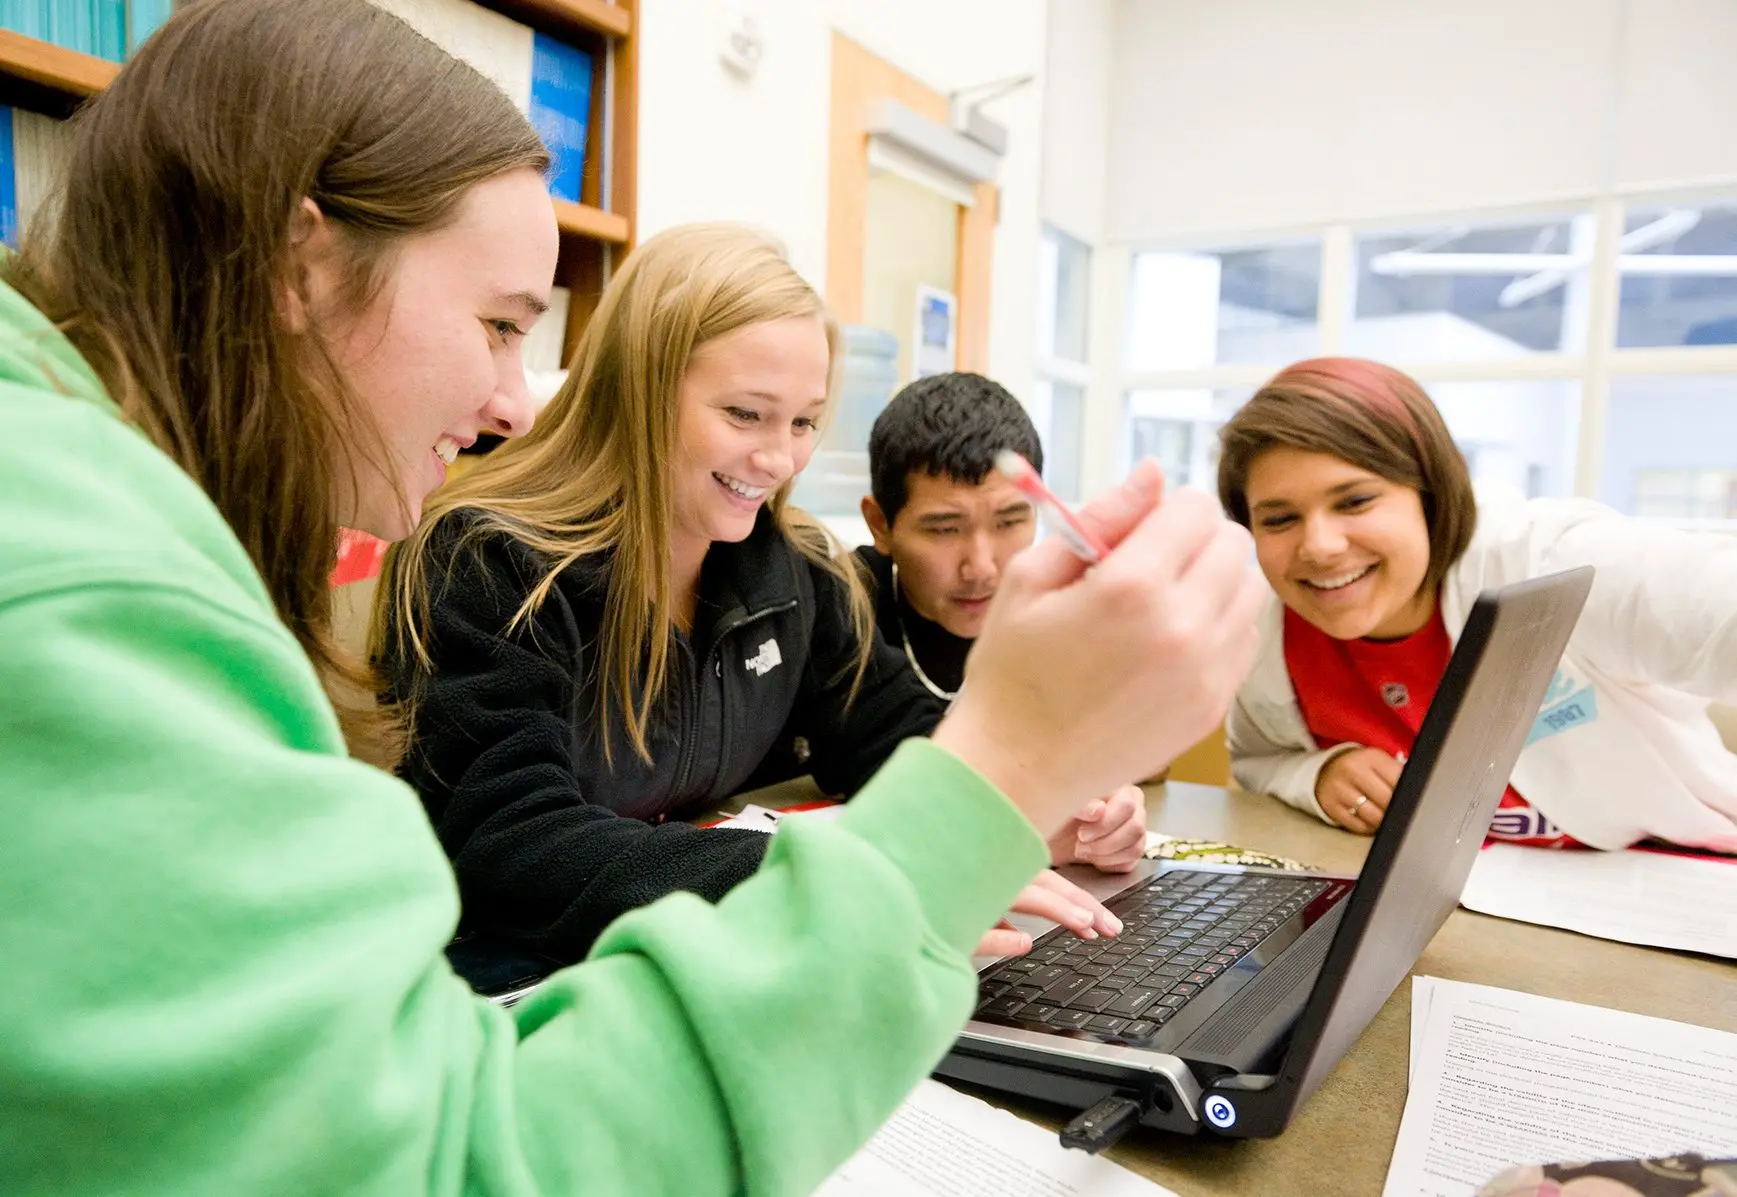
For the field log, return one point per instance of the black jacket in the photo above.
(548, 842)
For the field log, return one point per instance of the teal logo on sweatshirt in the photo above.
(1565, 708)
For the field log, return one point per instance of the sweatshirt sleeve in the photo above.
(224, 970)
(850, 736)
(1262, 763)
(1663, 606)
(493, 760)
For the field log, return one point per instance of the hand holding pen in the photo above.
(1088, 674)
(1085, 543)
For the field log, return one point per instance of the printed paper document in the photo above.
(1500, 1078)
(1659, 899)
(942, 1143)
(764, 818)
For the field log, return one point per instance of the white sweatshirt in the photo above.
(1622, 748)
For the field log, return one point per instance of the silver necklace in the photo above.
(905, 638)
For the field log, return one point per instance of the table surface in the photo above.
(1340, 1141)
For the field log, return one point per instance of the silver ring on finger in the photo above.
(1357, 806)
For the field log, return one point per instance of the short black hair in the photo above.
(948, 426)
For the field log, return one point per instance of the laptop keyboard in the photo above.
(1179, 933)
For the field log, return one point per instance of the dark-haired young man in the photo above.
(945, 525)
(945, 521)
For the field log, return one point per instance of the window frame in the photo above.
(1595, 367)
(1049, 368)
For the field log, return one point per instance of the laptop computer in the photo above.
(1233, 991)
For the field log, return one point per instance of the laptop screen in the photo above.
(1435, 823)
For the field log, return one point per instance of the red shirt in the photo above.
(1375, 693)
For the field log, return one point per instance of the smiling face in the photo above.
(1345, 549)
(748, 408)
(951, 542)
(436, 354)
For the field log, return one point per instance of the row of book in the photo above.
(104, 28)
(548, 79)
(32, 147)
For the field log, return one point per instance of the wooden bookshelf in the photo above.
(583, 220)
(598, 231)
(568, 16)
(594, 234)
(53, 68)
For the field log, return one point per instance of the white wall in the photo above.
(1076, 117)
(715, 146)
(1674, 120)
(1236, 115)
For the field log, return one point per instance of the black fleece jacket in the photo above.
(549, 843)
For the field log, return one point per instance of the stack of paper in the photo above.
(764, 818)
(1660, 899)
(1500, 1078)
(942, 1143)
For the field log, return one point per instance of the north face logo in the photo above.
(766, 660)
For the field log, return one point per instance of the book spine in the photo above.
(561, 79)
(8, 182)
(39, 149)
(111, 29)
(84, 26)
(30, 17)
(143, 18)
(59, 22)
(21, 16)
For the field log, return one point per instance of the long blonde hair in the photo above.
(592, 477)
(165, 252)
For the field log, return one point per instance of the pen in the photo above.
(1067, 525)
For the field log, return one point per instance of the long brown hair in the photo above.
(165, 257)
(1371, 415)
(592, 477)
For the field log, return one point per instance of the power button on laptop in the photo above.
(1220, 1112)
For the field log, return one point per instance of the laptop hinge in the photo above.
(1247, 1029)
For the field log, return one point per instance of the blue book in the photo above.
(8, 182)
(84, 27)
(561, 110)
(20, 16)
(143, 17)
(29, 17)
(63, 23)
(111, 29)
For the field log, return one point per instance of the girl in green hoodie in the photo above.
(292, 267)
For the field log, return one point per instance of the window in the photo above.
(1189, 310)
(1059, 411)
(1058, 401)
(1679, 276)
(1179, 428)
(1686, 494)
(1064, 282)
(1522, 434)
(1467, 292)
(1670, 444)
(1168, 442)
(1496, 315)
